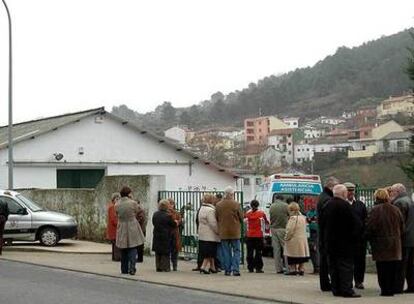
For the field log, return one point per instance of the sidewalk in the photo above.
(65, 246)
(267, 286)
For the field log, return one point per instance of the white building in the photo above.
(310, 132)
(292, 122)
(177, 133)
(283, 140)
(306, 151)
(332, 121)
(76, 150)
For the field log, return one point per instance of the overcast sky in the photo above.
(72, 55)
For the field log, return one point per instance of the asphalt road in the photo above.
(27, 284)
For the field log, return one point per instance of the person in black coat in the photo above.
(341, 229)
(324, 197)
(361, 214)
(4, 215)
(163, 228)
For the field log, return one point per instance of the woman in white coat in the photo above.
(208, 234)
(296, 241)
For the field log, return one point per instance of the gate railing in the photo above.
(366, 195)
(188, 203)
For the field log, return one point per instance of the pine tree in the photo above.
(408, 168)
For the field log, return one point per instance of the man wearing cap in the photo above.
(361, 214)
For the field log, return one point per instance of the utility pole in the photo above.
(10, 127)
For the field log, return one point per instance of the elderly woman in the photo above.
(296, 241)
(208, 234)
(128, 234)
(111, 226)
(164, 226)
(175, 244)
(384, 230)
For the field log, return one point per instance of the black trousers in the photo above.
(324, 281)
(116, 253)
(173, 252)
(405, 270)
(341, 270)
(2, 223)
(313, 250)
(162, 262)
(360, 263)
(387, 272)
(254, 253)
(140, 253)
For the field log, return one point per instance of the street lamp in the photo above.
(10, 137)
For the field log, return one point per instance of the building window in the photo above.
(307, 149)
(289, 135)
(250, 138)
(289, 144)
(246, 181)
(258, 180)
(79, 178)
(250, 131)
(260, 130)
(250, 124)
(260, 122)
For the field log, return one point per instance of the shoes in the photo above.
(227, 273)
(326, 288)
(251, 270)
(301, 273)
(236, 274)
(291, 273)
(259, 271)
(195, 269)
(386, 294)
(280, 272)
(359, 286)
(212, 270)
(203, 271)
(409, 291)
(351, 295)
(132, 272)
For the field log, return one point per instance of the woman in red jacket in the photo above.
(112, 222)
(256, 225)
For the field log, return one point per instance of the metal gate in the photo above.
(188, 203)
(366, 195)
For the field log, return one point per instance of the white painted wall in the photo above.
(106, 142)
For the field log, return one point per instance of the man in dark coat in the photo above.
(361, 214)
(324, 197)
(405, 271)
(341, 227)
(4, 215)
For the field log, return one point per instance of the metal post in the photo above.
(10, 137)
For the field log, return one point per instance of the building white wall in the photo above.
(110, 145)
(284, 143)
(292, 122)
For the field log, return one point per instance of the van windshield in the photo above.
(30, 204)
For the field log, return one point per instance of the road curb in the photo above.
(155, 283)
(20, 249)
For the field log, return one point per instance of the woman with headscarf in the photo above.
(296, 241)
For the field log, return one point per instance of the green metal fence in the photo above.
(366, 195)
(188, 203)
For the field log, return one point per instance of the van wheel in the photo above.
(49, 237)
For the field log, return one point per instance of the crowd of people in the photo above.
(333, 234)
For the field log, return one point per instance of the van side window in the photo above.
(14, 207)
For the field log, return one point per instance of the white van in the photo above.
(300, 188)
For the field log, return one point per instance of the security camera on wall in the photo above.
(58, 156)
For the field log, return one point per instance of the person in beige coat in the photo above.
(296, 246)
(129, 234)
(208, 234)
